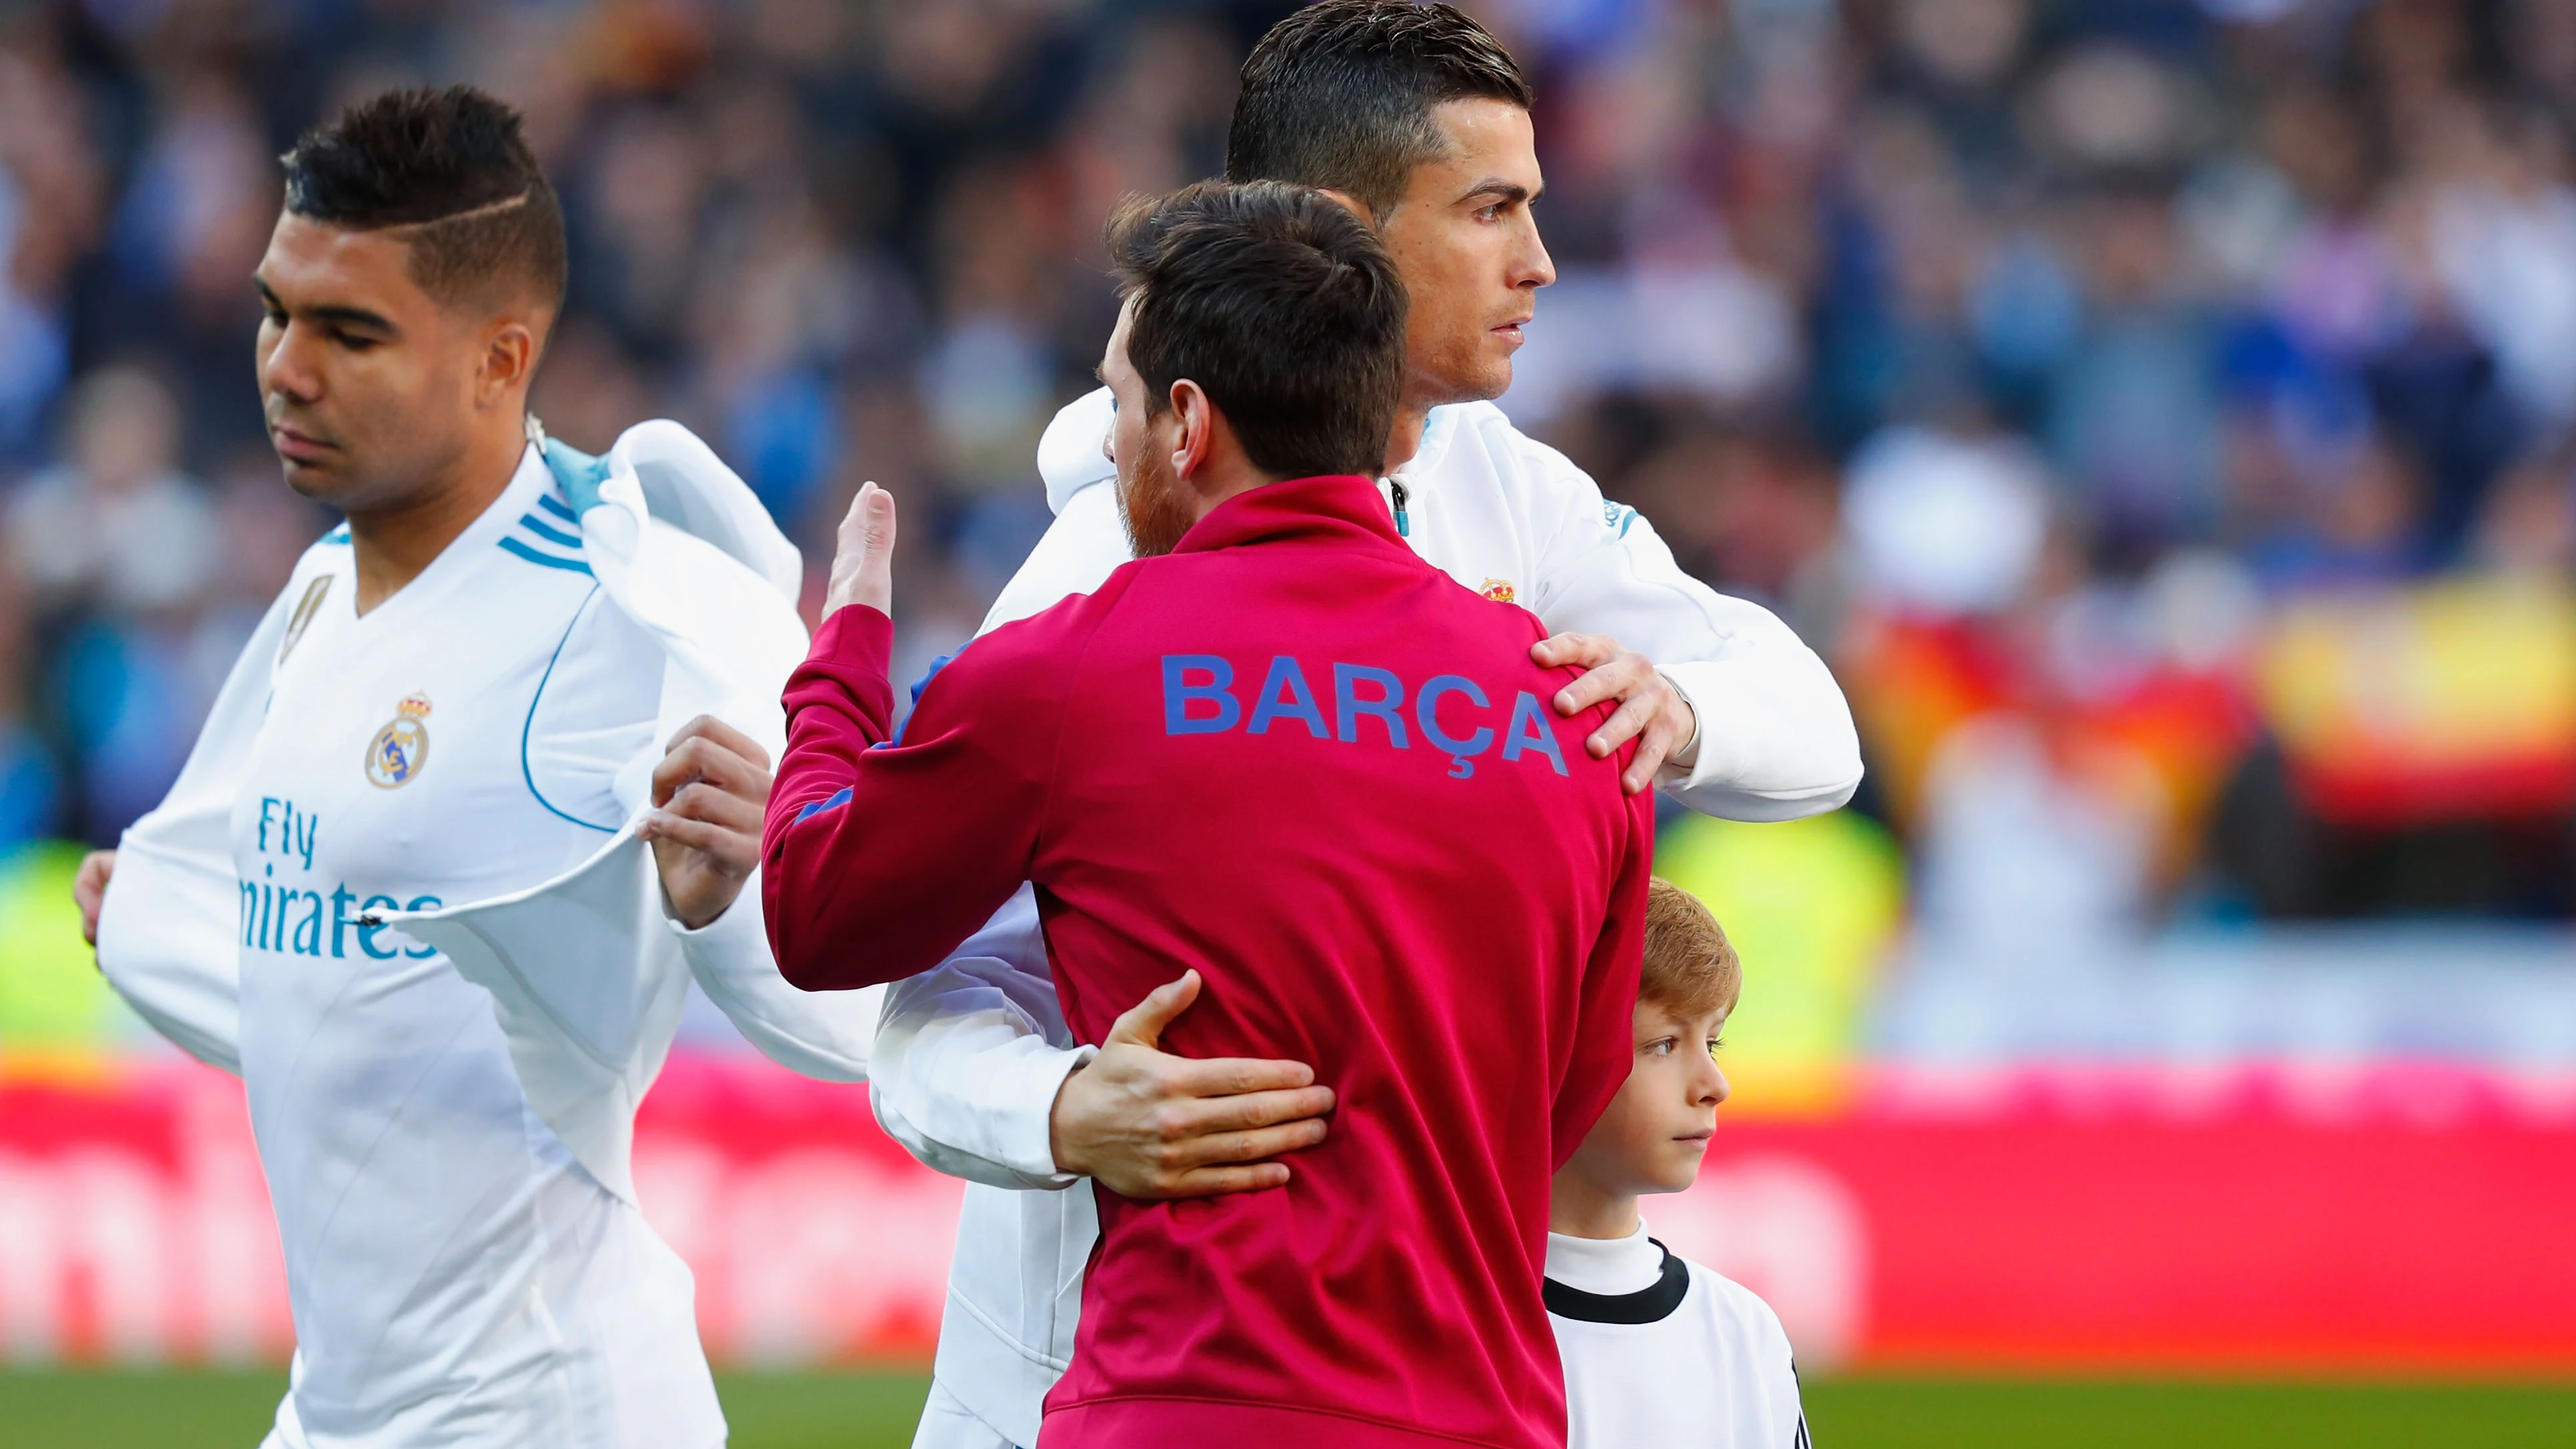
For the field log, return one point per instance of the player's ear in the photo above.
(510, 349)
(1350, 204)
(1197, 418)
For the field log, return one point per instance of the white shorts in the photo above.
(946, 1424)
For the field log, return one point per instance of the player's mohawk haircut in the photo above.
(1340, 95)
(450, 170)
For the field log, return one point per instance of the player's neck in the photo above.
(1406, 439)
(395, 543)
(1581, 1209)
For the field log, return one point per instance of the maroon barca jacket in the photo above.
(1296, 757)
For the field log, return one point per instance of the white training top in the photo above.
(1661, 1352)
(456, 1277)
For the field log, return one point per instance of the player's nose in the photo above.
(1712, 1087)
(1532, 266)
(288, 371)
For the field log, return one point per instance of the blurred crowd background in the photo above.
(2161, 413)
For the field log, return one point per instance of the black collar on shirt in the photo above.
(1651, 1304)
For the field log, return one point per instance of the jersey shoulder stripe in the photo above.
(548, 532)
(554, 542)
(337, 535)
(537, 556)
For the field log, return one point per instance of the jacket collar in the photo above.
(1335, 508)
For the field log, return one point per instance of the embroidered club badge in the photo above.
(401, 748)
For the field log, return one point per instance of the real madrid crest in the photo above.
(399, 750)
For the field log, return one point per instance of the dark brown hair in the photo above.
(1281, 305)
(449, 169)
(1690, 966)
(1340, 95)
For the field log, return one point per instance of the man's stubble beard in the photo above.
(1150, 505)
(1461, 372)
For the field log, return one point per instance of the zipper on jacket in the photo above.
(1403, 527)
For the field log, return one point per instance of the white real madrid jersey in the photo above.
(456, 1277)
(1661, 1353)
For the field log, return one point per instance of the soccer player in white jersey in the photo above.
(436, 713)
(1419, 120)
(1658, 1350)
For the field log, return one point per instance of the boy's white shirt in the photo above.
(1711, 1371)
(587, 970)
(970, 1055)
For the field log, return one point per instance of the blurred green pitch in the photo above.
(106, 1410)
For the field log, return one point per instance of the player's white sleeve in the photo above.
(169, 933)
(1776, 740)
(1073, 453)
(970, 1055)
(824, 1034)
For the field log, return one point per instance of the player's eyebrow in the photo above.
(1494, 189)
(343, 316)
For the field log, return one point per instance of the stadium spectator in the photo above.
(2276, 287)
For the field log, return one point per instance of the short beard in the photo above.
(1149, 503)
(1462, 377)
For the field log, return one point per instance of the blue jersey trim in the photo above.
(549, 560)
(839, 799)
(548, 532)
(918, 685)
(337, 535)
(529, 726)
(559, 509)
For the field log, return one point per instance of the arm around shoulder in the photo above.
(1776, 740)
(971, 1054)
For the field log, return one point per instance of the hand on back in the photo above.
(1147, 1124)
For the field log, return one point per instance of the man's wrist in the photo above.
(1059, 1149)
(1686, 758)
(1061, 1153)
(686, 927)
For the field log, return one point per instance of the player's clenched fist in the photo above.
(708, 795)
(89, 889)
(1146, 1124)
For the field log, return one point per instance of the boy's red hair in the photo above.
(1690, 967)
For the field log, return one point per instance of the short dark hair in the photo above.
(1340, 95)
(450, 168)
(1281, 305)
